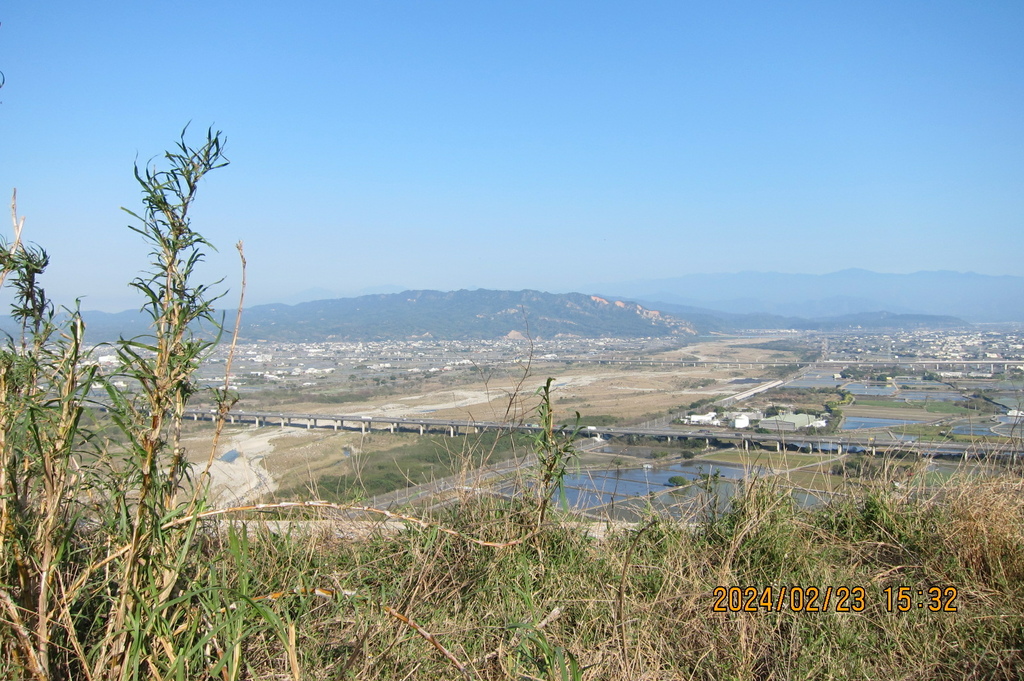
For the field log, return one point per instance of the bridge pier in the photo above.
(421, 429)
(393, 427)
(451, 431)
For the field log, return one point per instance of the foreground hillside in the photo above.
(642, 603)
(481, 589)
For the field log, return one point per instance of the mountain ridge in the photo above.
(463, 314)
(488, 314)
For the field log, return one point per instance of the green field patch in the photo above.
(947, 408)
(894, 404)
(818, 478)
(427, 459)
(774, 460)
(895, 411)
(929, 406)
(961, 472)
(943, 433)
(932, 407)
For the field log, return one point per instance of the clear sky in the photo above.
(522, 144)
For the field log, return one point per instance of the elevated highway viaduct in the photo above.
(833, 443)
(933, 364)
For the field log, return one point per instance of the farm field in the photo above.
(929, 407)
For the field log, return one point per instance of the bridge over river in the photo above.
(832, 444)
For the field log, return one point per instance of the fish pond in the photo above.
(863, 422)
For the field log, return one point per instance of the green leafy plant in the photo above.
(44, 384)
(162, 365)
(96, 574)
(548, 660)
(555, 449)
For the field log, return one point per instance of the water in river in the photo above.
(624, 493)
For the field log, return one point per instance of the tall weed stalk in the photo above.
(97, 574)
(555, 448)
(44, 383)
(162, 365)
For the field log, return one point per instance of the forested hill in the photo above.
(480, 314)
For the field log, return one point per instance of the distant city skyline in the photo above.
(450, 145)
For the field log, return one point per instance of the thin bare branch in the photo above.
(24, 637)
(428, 637)
(223, 404)
(17, 226)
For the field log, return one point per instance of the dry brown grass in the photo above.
(638, 604)
(985, 529)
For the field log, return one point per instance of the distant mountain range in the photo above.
(484, 314)
(851, 299)
(970, 296)
(714, 321)
(479, 314)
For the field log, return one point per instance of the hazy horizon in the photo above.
(729, 292)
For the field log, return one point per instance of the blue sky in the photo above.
(546, 145)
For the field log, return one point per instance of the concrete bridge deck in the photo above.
(834, 443)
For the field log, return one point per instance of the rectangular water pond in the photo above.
(862, 422)
(588, 489)
(624, 494)
(870, 390)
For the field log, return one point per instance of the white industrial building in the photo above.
(709, 419)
